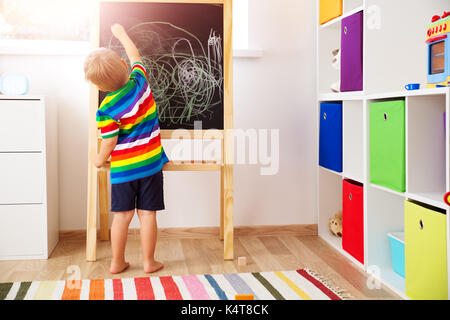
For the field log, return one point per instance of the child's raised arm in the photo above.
(132, 52)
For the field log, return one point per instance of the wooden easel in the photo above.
(97, 178)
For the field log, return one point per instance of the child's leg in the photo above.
(149, 236)
(119, 233)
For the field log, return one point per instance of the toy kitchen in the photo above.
(439, 51)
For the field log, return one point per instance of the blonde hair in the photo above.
(104, 68)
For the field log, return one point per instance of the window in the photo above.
(240, 24)
(69, 21)
(45, 19)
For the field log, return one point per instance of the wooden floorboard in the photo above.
(202, 256)
(332, 265)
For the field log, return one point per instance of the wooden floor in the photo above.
(202, 256)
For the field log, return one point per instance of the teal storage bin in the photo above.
(398, 252)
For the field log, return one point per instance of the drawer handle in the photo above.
(325, 116)
(421, 224)
(345, 30)
(385, 117)
(350, 197)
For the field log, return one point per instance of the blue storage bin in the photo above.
(330, 137)
(398, 252)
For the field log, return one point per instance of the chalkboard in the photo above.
(182, 50)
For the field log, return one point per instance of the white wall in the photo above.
(276, 91)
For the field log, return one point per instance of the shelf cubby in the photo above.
(426, 149)
(333, 36)
(352, 5)
(349, 7)
(385, 212)
(386, 143)
(330, 188)
(353, 140)
(331, 40)
(394, 60)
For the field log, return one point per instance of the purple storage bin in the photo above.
(352, 53)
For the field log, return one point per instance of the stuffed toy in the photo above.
(335, 224)
(336, 63)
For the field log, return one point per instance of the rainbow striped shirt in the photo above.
(131, 114)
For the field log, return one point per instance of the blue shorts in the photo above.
(143, 194)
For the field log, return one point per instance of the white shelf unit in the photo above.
(392, 58)
(427, 176)
(29, 213)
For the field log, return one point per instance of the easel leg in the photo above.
(104, 204)
(228, 213)
(228, 152)
(222, 203)
(91, 229)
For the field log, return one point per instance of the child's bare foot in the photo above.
(118, 267)
(151, 267)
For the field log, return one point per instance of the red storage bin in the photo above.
(353, 219)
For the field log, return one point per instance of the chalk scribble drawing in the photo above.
(186, 79)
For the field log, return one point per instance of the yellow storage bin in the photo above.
(329, 9)
(425, 252)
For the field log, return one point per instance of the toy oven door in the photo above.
(438, 61)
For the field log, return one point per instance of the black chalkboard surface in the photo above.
(182, 49)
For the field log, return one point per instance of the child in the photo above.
(129, 126)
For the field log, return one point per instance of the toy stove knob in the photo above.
(447, 198)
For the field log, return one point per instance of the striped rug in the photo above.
(286, 285)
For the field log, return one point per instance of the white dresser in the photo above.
(29, 213)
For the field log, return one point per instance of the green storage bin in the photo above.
(425, 252)
(387, 144)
